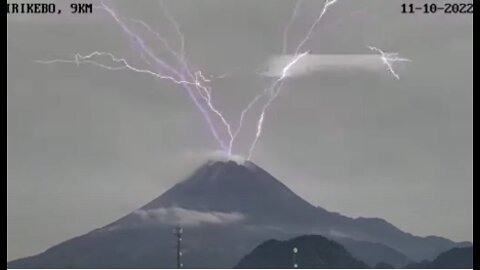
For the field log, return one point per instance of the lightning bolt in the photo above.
(204, 92)
(286, 32)
(177, 27)
(389, 59)
(198, 92)
(326, 7)
(121, 64)
(270, 90)
(157, 35)
(274, 93)
(196, 83)
(207, 97)
(276, 87)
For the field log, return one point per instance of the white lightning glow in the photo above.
(196, 84)
(275, 89)
(286, 32)
(326, 7)
(274, 92)
(177, 28)
(389, 59)
(204, 92)
(120, 64)
(177, 76)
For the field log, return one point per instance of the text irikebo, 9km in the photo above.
(47, 8)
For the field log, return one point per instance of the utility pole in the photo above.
(178, 232)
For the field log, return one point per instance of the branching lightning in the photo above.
(389, 59)
(275, 89)
(177, 27)
(196, 83)
(326, 7)
(286, 32)
(201, 97)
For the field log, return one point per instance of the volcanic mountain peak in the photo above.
(220, 170)
(231, 206)
(232, 187)
(231, 167)
(220, 156)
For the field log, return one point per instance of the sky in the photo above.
(87, 146)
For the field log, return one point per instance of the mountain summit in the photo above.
(227, 209)
(241, 188)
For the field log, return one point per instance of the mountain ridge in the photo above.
(455, 258)
(311, 252)
(243, 204)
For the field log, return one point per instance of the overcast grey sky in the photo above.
(86, 146)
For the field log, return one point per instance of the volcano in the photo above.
(227, 209)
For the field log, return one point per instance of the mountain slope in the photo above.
(313, 252)
(456, 258)
(226, 210)
(229, 187)
(373, 253)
